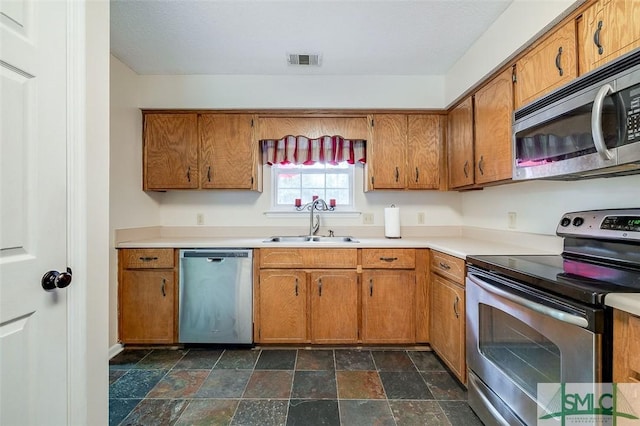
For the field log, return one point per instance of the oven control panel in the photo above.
(618, 224)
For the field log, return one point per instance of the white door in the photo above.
(33, 212)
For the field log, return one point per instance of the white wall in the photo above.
(518, 24)
(129, 206)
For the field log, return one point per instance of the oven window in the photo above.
(523, 354)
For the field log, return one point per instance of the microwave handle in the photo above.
(596, 122)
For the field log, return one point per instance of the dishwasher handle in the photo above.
(215, 259)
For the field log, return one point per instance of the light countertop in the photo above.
(629, 302)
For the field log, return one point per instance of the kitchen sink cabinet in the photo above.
(147, 296)
(493, 105)
(549, 65)
(606, 30)
(626, 347)
(404, 151)
(460, 145)
(200, 151)
(447, 298)
(334, 306)
(282, 306)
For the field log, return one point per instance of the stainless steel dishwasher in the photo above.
(216, 296)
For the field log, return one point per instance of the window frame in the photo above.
(275, 171)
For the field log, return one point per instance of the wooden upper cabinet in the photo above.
(405, 151)
(606, 30)
(547, 66)
(170, 151)
(228, 152)
(387, 151)
(493, 128)
(460, 144)
(313, 127)
(424, 151)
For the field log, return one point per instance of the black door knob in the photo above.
(54, 279)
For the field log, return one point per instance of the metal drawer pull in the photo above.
(397, 174)
(209, 174)
(189, 174)
(455, 307)
(371, 287)
(148, 259)
(388, 259)
(465, 169)
(320, 287)
(558, 61)
(481, 165)
(596, 38)
(164, 284)
(417, 174)
(296, 287)
(444, 266)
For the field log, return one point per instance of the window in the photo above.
(290, 181)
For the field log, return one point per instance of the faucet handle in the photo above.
(331, 233)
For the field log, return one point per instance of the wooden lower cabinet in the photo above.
(388, 303)
(147, 306)
(448, 324)
(282, 305)
(334, 306)
(626, 347)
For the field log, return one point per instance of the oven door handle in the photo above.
(541, 309)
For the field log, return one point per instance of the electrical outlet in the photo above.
(420, 218)
(511, 220)
(367, 218)
(200, 219)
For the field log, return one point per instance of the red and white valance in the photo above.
(323, 150)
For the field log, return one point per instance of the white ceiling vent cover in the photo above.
(304, 59)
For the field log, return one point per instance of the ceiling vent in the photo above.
(304, 59)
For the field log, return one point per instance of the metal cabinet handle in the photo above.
(444, 266)
(596, 38)
(209, 174)
(189, 174)
(296, 287)
(162, 288)
(397, 174)
(465, 169)
(481, 165)
(455, 307)
(388, 259)
(147, 259)
(417, 174)
(320, 287)
(558, 61)
(371, 287)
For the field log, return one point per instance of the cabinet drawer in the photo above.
(146, 258)
(448, 266)
(308, 258)
(388, 258)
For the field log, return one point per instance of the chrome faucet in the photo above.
(314, 226)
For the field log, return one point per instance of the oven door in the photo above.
(516, 340)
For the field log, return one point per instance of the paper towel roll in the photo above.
(392, 222)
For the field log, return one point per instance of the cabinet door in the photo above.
(460, 144)
(609, 28)
(228, 151)
(626, 347)
(493, 127)
(388, 151)
(388, 303)
(282, 306)
(170, 151)
(334, 306)
(549, 65)
(447, 324)
(147, 306)
(423, 151)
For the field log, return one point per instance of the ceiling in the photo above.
(353, 37)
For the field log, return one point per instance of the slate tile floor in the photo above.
(284, 387)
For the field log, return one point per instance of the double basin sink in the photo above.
(310, 239)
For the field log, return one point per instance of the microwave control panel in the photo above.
(633, 120)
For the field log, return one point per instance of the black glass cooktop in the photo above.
(575, 278)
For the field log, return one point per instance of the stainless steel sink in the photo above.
(310, 239)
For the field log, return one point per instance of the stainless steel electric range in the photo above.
(543, 319)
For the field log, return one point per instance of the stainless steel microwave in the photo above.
(588, 128)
